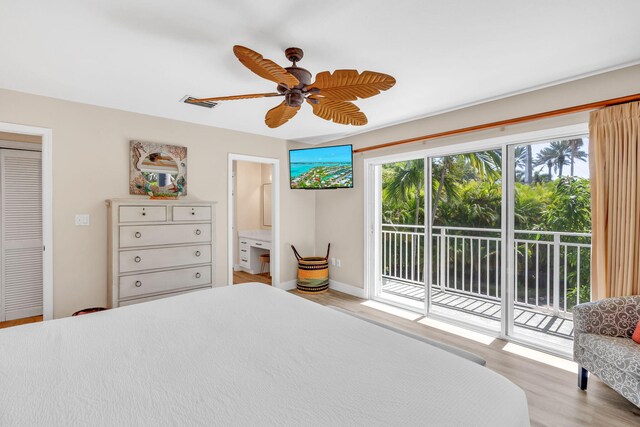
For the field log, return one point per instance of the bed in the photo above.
(242, 355)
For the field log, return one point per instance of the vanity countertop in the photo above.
(264, 235)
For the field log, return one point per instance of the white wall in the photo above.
(340, 213)
(90, 164)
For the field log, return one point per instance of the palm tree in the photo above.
(408, 180)
(524, 161)
(486, 164)
(549, 166)
(555, 154)
(405, 180)
(576, 152)
(529, 169)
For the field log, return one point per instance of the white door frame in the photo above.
(371, 264)
(47, 208)
(275, 214)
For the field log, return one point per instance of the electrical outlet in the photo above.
(338, 264)
(82, 219)
(333, 261)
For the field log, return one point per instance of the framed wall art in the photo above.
(157, 170)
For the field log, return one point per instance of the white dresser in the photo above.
(158, 249)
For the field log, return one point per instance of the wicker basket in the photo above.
(313, 272)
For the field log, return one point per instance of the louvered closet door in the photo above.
(21, 240)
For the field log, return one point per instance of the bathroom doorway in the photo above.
(252, 220)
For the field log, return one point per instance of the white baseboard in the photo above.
(287, 286)
(347, 289)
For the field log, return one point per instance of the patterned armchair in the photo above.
(602, 344)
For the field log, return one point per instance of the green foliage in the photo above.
(467, 192)
(570, 208)
(403, 192)
(530, 204)
(478, 205)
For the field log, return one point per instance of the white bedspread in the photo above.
(243, 355)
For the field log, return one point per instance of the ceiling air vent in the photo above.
(206, 104)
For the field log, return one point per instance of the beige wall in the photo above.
(248, 195)
(340, 213)
(265, 178)
(247, 210)
(90, 164)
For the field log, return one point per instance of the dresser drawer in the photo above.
(145, 299)
(244, 249)
(148, 235)
(243, 261)
(260, 244)
(143, 213)
(191, 213)
(164, 281)
(147, 259)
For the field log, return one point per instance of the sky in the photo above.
(338, 153)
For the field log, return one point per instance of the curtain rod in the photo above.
(501, 123)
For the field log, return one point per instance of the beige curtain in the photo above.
(614, 160)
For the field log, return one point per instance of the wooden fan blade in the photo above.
(280, 115)
(233, 97)
(265, 68)
(349, 85)
(342, 112)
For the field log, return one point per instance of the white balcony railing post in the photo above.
(443, 258)
(556, 274)
(400, 262)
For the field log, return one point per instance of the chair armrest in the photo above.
(614, 317)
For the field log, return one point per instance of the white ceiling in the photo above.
(145, 55)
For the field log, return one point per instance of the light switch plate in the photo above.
(82, 219)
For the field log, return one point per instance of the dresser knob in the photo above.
(137, 259)
(198, 232)
(144, 213)
(138, 235)
(138, 283)
(198, 275)
(197, 253)
(193, 213)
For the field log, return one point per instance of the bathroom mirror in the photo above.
(158, 169)
(266, 205)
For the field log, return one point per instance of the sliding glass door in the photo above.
(497, 238)
(401, 222)
(550, 215)
(465, 228)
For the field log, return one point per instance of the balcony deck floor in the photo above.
(525, 317)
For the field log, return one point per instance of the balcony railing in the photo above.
(552, 269)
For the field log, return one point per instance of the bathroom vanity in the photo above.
(252, 244)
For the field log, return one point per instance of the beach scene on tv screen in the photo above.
(326, 167)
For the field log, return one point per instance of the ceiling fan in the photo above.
(329, 95)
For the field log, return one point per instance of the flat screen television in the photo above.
(321, 168)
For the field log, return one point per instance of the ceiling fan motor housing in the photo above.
(294, 98)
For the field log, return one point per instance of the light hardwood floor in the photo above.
(244, 277)
(553, 396)
(23, 321)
